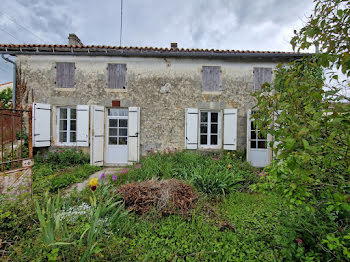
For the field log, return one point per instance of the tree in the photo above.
(6, 98)
(310, 124)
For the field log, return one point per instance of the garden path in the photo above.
(107, 171)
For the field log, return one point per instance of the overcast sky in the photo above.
(219, 24)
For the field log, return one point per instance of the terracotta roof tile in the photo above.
(146, 49)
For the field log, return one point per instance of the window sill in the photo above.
(209, 148)
(114, 90)
(65, 89)
(212, 92)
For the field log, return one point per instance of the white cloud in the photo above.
(219, 24)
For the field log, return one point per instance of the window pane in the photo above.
(113, 141)
(63, 113)
(73, 125)
(204, 116)
(73, 137)
(261, 144)
(204, 128)
(214, 117)
(123, 132)
(73, 113)
(113, 132)
(113, 112)
(252, 135)
(63, 137)
(123, 112)
(252, 125)
(113, 122)
(214, 128)
(63, 125)
(123, 140)
(252, 144)
(123, 122)
(261, 136)
(204, 139)
(214, 139)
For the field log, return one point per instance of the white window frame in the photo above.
(68, 126)
(218, 146)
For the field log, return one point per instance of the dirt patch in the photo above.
(165, 196)
(215, 220)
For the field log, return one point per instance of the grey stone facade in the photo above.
(161, 87)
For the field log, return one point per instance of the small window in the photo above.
(65, 75)
(211, 78)
(117, 76)
(67, 125)
(257, 139)
(209, 132)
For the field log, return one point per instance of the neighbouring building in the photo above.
(120, 102)
(5, 86)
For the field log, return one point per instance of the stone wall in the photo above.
(162, 88)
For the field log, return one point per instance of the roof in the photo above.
(96, 50)
(5, 83)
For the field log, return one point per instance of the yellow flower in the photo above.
(229, 166)
(233, 155)
(93, 182)
(228, 153)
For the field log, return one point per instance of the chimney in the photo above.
(74, 40)
(173, 45)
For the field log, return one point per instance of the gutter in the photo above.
(14, 80)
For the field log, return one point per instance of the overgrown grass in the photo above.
(60, 169)
(214, 175)
(94, 226)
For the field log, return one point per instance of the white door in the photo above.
(117, 136)
(257, 145)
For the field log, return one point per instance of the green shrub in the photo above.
(47, 177)
(212, 174)
(64, 157)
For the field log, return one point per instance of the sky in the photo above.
(219, 24)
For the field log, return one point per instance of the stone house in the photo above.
(120, 102)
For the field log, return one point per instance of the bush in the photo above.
(47, 177)
(213, 174)
(60, 169)
(64, 157)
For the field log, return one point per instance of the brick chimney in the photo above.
(173, 45)
(74, 40)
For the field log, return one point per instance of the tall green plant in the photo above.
(49, 218)
(5, 98)
(310, 122)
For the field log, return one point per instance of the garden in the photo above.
(195, 206)
(181, 206)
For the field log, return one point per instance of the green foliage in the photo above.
(64, 157)
(49, 218)
(328, 27)
(48, 177)
(310, 124)
(17, 219)
(6, 98)
(213, 175)
(310, 127)
(262, 233)
(60, 169)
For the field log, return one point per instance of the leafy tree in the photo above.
(310, 122)
(6, 98)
